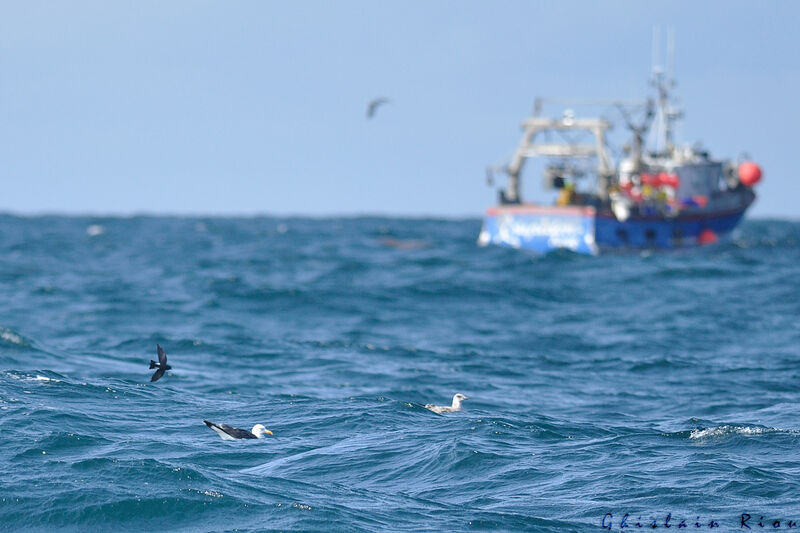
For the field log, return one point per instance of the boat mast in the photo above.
(638, 130)
(664, 82)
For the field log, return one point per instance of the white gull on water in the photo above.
(457, 399)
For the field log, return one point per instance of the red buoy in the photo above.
(649, 179)
(670, 180)
(749, 173)
(707, 236)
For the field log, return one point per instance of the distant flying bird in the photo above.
(457, 399)
(374, 105)
(162, 365)
(231, 433)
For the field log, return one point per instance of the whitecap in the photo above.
(26, 377)
(46, 379)
(9, 336)
(747, 431)
(94, 230)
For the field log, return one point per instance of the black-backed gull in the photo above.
(230, 433)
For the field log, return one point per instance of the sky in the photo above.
(256, 107)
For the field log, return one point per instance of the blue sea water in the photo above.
(647, 384)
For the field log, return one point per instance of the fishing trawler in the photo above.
(665, 197)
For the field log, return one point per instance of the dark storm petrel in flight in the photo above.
(162, 365)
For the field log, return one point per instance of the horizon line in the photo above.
(255, 214)
(353, 215)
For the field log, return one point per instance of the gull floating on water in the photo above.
(231, 433)
(457, 399)
(162, 365)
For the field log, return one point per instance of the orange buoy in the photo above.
(749, 173)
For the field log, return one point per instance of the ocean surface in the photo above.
(655, 384)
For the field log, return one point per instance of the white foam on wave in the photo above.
(95, 230)
(747, 431)
(9, 336)
(39, 378)
(46, 379)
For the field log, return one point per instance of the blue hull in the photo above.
(589, 231)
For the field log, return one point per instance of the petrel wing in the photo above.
(162, 357)
(157, 375)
